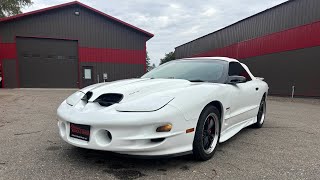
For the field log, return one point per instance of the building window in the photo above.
(87, 73)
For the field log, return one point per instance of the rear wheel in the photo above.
(261, 114)
(207, 134)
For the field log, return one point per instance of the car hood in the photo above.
(133, 89)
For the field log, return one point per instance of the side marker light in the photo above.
(190, 130)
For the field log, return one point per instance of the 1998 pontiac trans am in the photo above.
(184, 106)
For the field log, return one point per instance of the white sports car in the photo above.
(183, 106)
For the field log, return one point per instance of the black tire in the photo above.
(261, 116)
(203, 149)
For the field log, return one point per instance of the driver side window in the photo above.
(236, 69)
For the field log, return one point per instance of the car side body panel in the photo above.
(239, 110)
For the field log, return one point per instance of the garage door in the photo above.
(47, 63)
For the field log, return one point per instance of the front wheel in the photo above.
(207, 134)
(261, 114)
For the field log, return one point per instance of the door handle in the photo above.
(257, 88)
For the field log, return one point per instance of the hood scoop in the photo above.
(109, 99)
(87, 96)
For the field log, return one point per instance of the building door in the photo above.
(87, 76)
(47, 63)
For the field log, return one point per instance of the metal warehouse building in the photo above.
(69, 46)
(281, 44)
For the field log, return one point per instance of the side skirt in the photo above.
(155, 156)
(233, 130)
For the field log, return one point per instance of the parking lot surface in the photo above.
(287, 147)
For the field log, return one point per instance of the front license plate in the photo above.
(80, 131)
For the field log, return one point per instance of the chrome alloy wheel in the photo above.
(262, 112)
(210, 133)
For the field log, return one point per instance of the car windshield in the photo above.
(192, 70)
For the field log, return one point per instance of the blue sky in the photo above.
(173, 22)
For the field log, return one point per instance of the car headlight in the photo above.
(146, 104)
(75, 98)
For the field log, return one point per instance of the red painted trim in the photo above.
(80, 4)
(8, 51)
(87, 54)
(291, 39)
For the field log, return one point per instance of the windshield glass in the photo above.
(192, 70)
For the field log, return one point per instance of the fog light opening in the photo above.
(109, 135)
(103, 137)
(164, 128)
(63, 128)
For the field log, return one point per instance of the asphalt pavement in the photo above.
(287, 147)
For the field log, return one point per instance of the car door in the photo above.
(242, 96)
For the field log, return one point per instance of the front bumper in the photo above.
(132, 133)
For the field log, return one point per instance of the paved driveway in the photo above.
(287, 147)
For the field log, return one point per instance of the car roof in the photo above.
(226, 59)
(212, 58)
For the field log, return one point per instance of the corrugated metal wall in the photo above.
(288, 15)
(92, 31)
(299, 68)
(281, 44)
(295, 38)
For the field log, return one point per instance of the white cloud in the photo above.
(175, 6)
(209, 12)
(173, 22)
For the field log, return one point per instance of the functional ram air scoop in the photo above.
(109, 99)
(87, 96)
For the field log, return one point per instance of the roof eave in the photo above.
(150, 35)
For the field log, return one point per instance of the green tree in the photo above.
(148, 62)
(153, 66)
(168, 57)
(12, 7)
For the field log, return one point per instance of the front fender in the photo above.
(194, 99)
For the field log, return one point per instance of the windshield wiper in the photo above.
(197, 80)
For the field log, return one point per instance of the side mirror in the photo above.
(236, 79)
